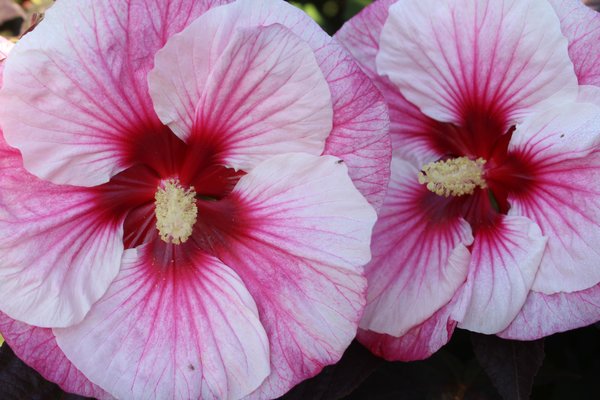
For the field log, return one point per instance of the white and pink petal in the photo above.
(82, 75)
(301, 237)
(257, 88)
(410, 129)
(504, 262)
(420, 256)
(559, 133)
(462, 58)
(560, 149)
(563, 201)
(422, 340)
(185, 331)
(59, 249)
(545, 314)
(581, 26)
(37, 348)
(266, 96)
(360, 124)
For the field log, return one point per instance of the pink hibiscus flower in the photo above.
(174, 222)
(492, 218)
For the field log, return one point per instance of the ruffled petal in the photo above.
(82, 74)
(581, 26)
(420, 256)
(359, 134)
(37, 348)
(300, 238)
(410, 129)
(360, 124)
(543, 315)
(185, 88)
(257, 91)
(504, 262)
(187, 331)
(361, 34)
(562, 196)
(422, 340)
(58, 250)
(454, 59)
(266, 96)
(556, 134)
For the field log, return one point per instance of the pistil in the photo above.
(176, 211)
(454, 177)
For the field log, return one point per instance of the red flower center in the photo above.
(483, 136)
(162, 157)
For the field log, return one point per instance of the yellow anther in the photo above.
(176, 211)
(453, 177)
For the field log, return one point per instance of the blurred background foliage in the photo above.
(17, 16)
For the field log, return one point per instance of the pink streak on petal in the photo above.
(470, 56)
(422, 340)
(560, 133)
(419, 259)
(564, 202)
(360, 35)
(581, 26)
(266, 96)
(37, 348)
(196, 52)
(358, 122)
(360, 125)
(82, 75)
(303, 234)
(60, 251)
(543, 315)
(186, 331)
(504, 262)
(410, 128)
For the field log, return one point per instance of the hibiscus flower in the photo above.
(178, 216)
(492, 219)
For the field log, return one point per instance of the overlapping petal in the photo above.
(543, 314)
(186, 332)
(37, 348)
(581, 26)
(422, 340)
(420, 256)
(301, 259)
(58, 251)
(463, 57)
(82, 74)
(262, 94)
(563, 194)
(409, 127)
(558, 134)
(360, 124)
(504, 262)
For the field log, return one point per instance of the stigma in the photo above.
(454, 177)
(176, 211)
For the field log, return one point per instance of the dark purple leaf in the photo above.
(511, 365)
(339, 380)
(19, 382)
